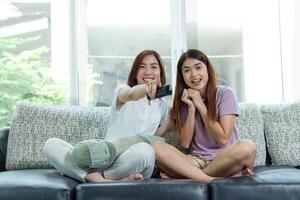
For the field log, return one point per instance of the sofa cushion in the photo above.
(250, 126)
(36, 184)
(282, 129)
(147, 190)
(270, 183)
(4, 132)
(34, 123)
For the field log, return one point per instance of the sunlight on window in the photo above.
(224, 13)
(262, 57)
(117, 31)
(126, 12)
(8, 10)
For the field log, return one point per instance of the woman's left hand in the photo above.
(195, 96)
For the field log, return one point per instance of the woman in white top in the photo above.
(131, 114)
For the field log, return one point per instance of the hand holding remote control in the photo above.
(162, 91)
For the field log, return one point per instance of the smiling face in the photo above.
(149, 69)
(195, 74)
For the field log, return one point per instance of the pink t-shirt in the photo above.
(203, 142)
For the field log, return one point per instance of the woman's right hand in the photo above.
(185, 98)
(151, 87)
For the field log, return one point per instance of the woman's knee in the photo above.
(55, 146)
(244, 149)
(138, 158)
(49, 145)
(248, 146)
(158, 148)
(143, 152)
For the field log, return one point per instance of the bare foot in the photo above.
(237, 174)
(133, 177)
(60, 173)
(247, 172)
(96, 177)
(163, 175)
(244, 172)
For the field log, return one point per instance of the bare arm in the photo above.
(131, 94)
(185, 136)
(221, 129)
(165, 126)
(137, 92)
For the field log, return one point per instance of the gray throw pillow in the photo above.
(34, 123)
(250, 126)
(282, 129)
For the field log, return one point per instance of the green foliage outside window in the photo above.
(25, 75)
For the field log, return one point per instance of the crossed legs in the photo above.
(176, 164)
(234, 160)
(237, 159)
(137, 162)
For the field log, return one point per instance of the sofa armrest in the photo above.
(3, 146)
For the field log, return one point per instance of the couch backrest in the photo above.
(250, 126)
(34, 123)
(282, 130)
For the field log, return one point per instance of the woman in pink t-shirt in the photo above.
(204, 117)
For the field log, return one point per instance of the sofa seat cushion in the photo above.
(36, 184)
(274, 183)
(153, 189)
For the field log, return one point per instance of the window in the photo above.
(26, 67)
(241, 45)
(242, 40)
(115, 35)
(76, 52)
(216, 28)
